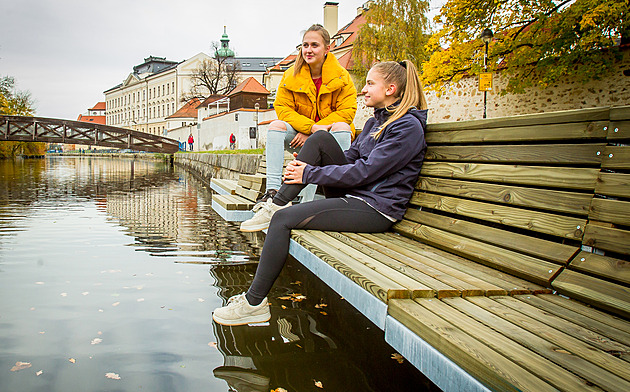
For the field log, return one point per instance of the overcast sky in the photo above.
(67, 52)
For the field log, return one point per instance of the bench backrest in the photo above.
(517, 193)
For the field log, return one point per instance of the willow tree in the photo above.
(537, 42)
(394, 30)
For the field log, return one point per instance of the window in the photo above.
(144, 94)
(235, 116)
(173, 107)
(173, 87)
(339, 41)
(167, 90)
(158, 111)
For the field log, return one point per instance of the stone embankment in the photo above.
(225, 166)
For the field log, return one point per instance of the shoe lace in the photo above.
(265, 206)
(236, 298)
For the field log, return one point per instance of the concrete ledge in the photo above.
(443, 372)
(231, 215)
(364, 302)
(218, 189)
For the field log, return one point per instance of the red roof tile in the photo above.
(189, 110)
(92, 119)
(249, 85)
(99, 106)
(352, 28)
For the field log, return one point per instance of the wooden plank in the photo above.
(538, 339)
(613, 184)
(542, 222)
(607, 267)
(576, 154)
(571, 316)
(620, 113)
(228, 185)
(607, 210)
(535, 363)
(553, 177)
(454, 282)
(389, 269)
(247, 193)
(485, 364)
(573, 346)
(567, 202)
(564, 116)
(252, 178)
(552, 251)
(524, 266)
(584, 334)
(607, 238)
(406, 266)
(543, 132)
(373, 282)
(578, 307)
(233, 203)
(602, 294)
(619, 130)
(512, 284)
(616, 157)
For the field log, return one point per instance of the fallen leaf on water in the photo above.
(20, 366)
(39, 373)
(293, 297)
(64, 294)
(140, 300)
(85, 293)
(212, 344)
(72, 360)
(96, 341)
(324, 313)
(321, 306)
(279, 390)
(99, 333)
(32, 309)
(42, 332)
(113, 376)
(116, 304)
(398, 357)
(318, 384)
(39, 282)
(284, 307)
(201, 300)
(101, 310)
(297, 282)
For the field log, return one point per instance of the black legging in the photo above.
(335, 214)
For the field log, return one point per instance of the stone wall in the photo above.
(227, 166)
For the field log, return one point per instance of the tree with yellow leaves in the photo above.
(17, 103)
(536, 42)
(394, 30)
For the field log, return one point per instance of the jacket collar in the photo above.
(332, 80)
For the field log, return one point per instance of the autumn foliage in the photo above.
(17, 103)
(536, 42)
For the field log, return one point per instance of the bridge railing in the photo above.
(51, 130)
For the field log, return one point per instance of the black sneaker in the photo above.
(270, 194)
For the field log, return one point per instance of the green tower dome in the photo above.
(224, 50)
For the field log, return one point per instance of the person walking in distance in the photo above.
(191, 140)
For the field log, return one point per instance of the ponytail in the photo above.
(405, 76)
(299, 61)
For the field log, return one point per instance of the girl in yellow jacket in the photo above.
(315, 94)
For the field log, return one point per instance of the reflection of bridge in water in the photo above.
(51, 130)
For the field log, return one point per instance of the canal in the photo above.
(110, 270)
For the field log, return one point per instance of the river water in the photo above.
(110, 270)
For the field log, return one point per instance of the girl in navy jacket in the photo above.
(367, 187)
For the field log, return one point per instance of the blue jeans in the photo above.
(278, 141)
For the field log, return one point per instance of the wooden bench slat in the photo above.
(620, 112)
(247, 193)
(387, 268)
(464, 284)
(565, 131)
(612, 297)
(252, 178)
(607, 267)
(584, 334)
(575, 347)
(542, 222)
(567, 202)
(607, 210)
(555, 177)
(510, 283)
(527, 267)
(577, 154)
(537, 338)
(233, 202)
(485, 364)
(228, 185)
(553, 251)
(619, 130)
(371, 281)
(565, 116)
(616, 157)
(572, 316)
(607, 238)
(613, 184)
(385, 256)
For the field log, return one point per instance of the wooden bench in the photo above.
(507, 213)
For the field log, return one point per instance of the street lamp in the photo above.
(257, 106)
(486, 37)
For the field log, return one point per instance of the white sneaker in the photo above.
(262, 217)
(239, 312)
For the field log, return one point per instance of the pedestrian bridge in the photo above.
(51, 130)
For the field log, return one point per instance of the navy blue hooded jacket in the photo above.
(382, 172)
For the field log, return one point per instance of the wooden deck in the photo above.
(508, 213)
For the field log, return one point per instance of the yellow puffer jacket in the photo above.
(337, 100)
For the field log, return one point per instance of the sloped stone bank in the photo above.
(226, 166)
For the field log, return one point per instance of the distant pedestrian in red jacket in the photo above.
(190, 141)
(232, 141)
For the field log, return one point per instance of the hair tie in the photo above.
(403, 64)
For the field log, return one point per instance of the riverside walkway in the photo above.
(510, 269)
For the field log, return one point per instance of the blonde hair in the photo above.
(409, 88)
(299, 61)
